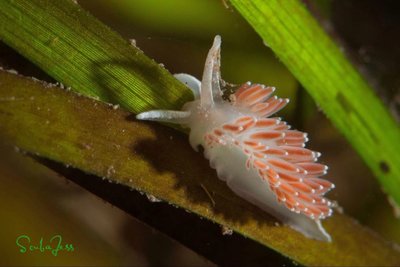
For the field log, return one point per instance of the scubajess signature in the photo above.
(52, 245)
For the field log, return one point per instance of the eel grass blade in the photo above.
(95, 138)
(82, 53)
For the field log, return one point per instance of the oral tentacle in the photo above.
(179, 117)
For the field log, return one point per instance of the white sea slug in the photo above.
(259, 158)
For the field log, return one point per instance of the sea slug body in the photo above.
(259, 157)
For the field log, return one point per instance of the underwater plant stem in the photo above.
(96, 138)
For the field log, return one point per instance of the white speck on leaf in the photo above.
(110, 171)
(396, 208)
(152, 198)
(12, 71)
(226, 230)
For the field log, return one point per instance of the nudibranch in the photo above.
(258, 156)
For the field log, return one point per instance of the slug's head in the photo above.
(206, 93)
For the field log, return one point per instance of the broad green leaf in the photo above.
(84, 54)
(95, 138)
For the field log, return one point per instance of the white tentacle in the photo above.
(190, 81)
(210, 88)
(173, 116)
